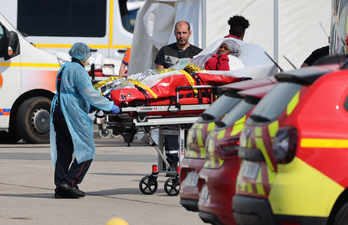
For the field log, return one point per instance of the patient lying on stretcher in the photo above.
(223, 58)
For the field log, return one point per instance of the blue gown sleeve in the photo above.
(91, 95)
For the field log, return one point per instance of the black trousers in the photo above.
(171, 147)
(64, 172)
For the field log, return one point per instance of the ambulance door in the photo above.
(123, 21)
(10, 80)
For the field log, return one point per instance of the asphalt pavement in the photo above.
(111, 186)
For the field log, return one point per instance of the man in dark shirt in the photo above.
(316, 54)
(170, 54)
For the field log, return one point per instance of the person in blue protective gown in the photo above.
(71, 131)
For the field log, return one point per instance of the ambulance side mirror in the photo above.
(13, 44)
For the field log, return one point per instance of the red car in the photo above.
(290, 171)
(195, 148)
(218, 175)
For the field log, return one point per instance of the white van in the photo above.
(104, 25)
(27, 85)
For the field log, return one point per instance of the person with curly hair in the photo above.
(238, 25)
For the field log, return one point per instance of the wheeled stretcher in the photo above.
(161, 117)
(164, 104)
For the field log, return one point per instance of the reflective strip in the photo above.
(249, 143)
(199, 138)
(324, 143)
(258, 131)
(260, 190)
(91, 46)
(8, 64)
(243, 186)
(211, 126)
(210, 148)
(189, 78)
(260, 145)
(111, 23)
(188, 144)
(145, 87)
(202, 151)
(221, 162)
(292, 104)
(172, 152)
(192, 154)
(271, 175)
(221, 134)
(249, 188)
(273, 128)
(238, 126)
(5, 112)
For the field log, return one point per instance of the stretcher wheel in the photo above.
(148, 185)
(104, 133)
(172, 186)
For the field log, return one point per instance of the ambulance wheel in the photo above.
(33, 120)
(148, 185)
(341, 218)
(172, 186)
(104, 133)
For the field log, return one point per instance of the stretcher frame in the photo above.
(148, 123)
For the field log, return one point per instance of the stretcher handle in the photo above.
(176, 103)
(192, 87)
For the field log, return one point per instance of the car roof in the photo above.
(306, 75)
(258, 92)
(247, 84)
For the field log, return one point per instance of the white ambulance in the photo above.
(27, 85)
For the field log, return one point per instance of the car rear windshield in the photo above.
(275, 102)
(236, 113)
(220, 107)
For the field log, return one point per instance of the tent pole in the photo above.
(204, 21)
(275, 30)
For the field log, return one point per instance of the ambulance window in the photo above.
(63, 18)
(128, 11)
(275, 102)
(2, 42)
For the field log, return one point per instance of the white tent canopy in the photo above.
(303, 26)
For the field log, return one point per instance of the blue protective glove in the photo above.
(115, 109)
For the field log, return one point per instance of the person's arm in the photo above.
(122, 69)
(211, 63)
(92, 96)
(159, 61)
(223, 63)
(159, 67)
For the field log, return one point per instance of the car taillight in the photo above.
(229, 146)
(284, 144)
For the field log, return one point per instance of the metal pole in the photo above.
(275, 30)
(204, 21)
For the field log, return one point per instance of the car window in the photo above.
(221, 106)
(275, 102)
(237, 113)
